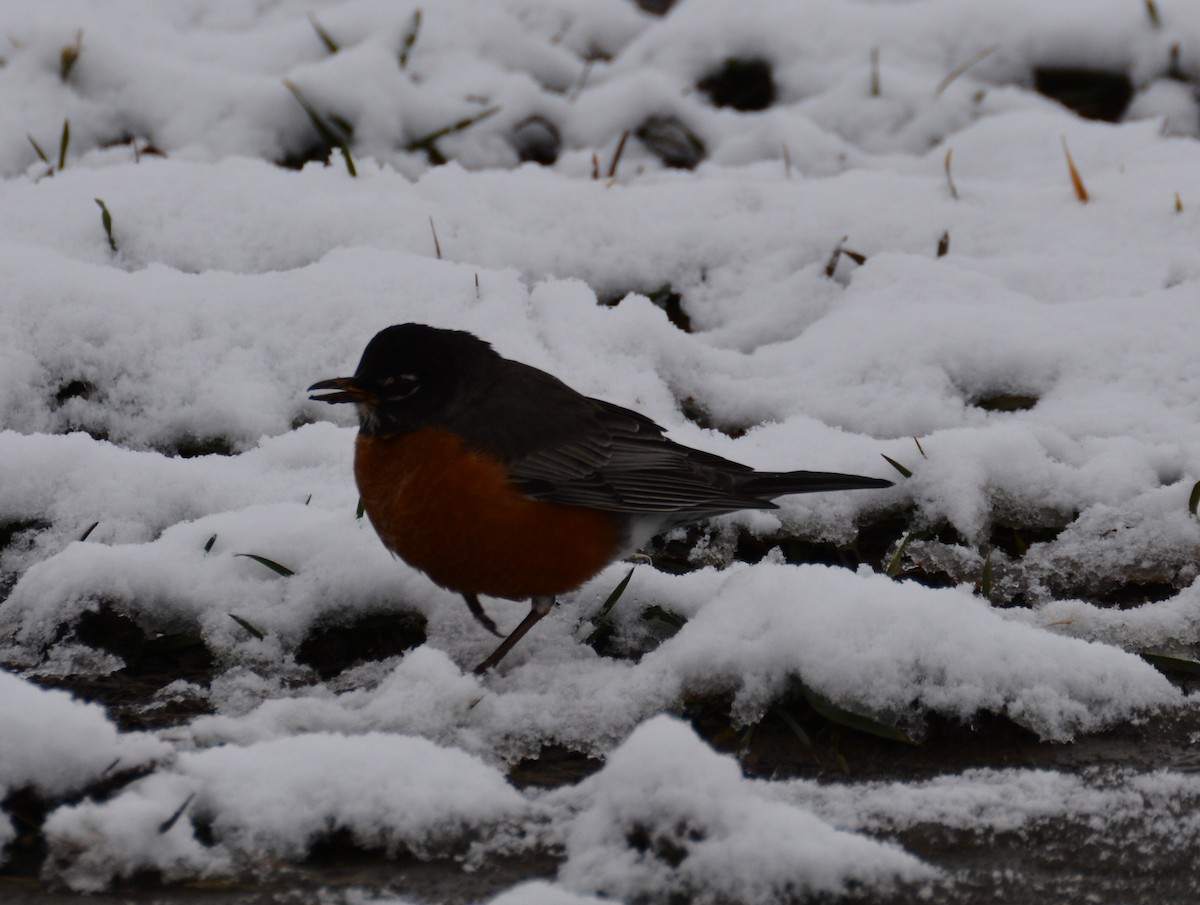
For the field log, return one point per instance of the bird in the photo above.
(496, 478)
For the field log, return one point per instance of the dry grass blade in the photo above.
(612, 167)
(437, 246)
(326, 39)
(1076, 180)
(949, 178)
(943, 246)
(63, 142)
(920, 448)
(1152, 13)
(69, 57)
(1178, 204)
(832, 263)
(959, 70)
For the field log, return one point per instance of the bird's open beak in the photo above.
(346, 389)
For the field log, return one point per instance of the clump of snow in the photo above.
(668, 817)
(54, 745)
(275, 799)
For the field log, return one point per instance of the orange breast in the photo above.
(454, 515)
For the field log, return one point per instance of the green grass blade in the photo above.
(907, 472)
(410, 38)
(107, 222)
(208, 547)
(851, 720)
(792, 723)
(88, 531)
(252, 629)
(1194, 499)
(600, 620)
(1164, 663)
(38, 150)
(165, 826)
(269, 563)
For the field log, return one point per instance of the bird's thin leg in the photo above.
(483, 618)
(541, 606)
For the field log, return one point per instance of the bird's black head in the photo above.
(409, 377)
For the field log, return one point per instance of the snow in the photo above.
(237, 282)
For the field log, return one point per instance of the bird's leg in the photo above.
(541, 606)
(483, 618)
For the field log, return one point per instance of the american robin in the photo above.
(495, 478)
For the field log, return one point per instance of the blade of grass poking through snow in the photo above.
(46, 160)
(69, 57)
(893, 566)
(410, 38)
(250, 627)
(1152, 13)
(875, 89)
(437, 246)
(326, 39)
(64, 142)
(958, 71)
(90, 528)
(335, 131)
(797, 730)
(1178, 200)
(612, 167)
(208, 546)
(1164, 663)
(600, 620)
(428, 143)
(269, 563)
(848, 719)
(107, 223)
(920, 448)
(907, 472)
(1194, 499)
(949, 178)
(943, 246)
(1081, 191)
(165, 826)
(361, 509)
(745, 740)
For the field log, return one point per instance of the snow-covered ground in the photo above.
(1029, 357)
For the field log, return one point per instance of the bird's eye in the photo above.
(400, 386)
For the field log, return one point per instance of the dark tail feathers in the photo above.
(770, 484)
